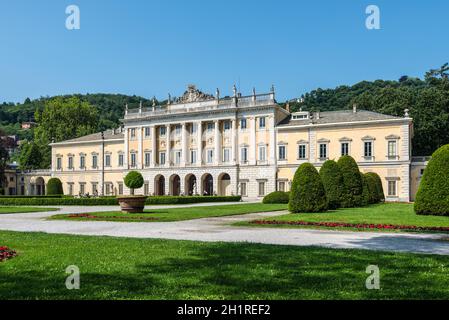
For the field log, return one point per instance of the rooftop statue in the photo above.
(194, 95)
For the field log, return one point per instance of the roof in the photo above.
(338, 117)
(108, 135)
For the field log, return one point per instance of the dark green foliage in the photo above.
(109, 201)
(134, 180)
(352, 182)
(380, 188)
(371, 183)
(433, 193)
(277, 197)
(54, 187)
(307, 193)
(333, 183)
(366, 196)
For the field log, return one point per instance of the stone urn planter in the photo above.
(132, 204)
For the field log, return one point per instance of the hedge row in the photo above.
(112, 201)
(277, 197)
(29, 197)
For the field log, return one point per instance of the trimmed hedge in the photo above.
(375, 187)
(366, 195)
(134, 180)
(352, 182)
(30, 197)
(277, 197)
(433, 192)
(112, 201)
(307, 193)
(54, 187)
(333, 183)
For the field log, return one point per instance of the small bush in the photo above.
(374, 187)
(433, 192)
(277, 197)
(366, 196)
(54, 187)
(307, 193)
(333, 183)
(134, 180)
(352, 182)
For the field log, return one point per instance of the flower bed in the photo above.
(351, 225)
(6, 253)
(91, 216)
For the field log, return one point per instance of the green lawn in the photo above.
(388, 213)
(120, 268)
(6, 210)
(177, 214)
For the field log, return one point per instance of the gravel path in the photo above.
(219, 229)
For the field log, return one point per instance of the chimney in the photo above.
(354, 108)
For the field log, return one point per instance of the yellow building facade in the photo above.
(247, 145)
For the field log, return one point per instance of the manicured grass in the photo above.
(176, 214)
(388, 213)
(6, 210)
(120, 268)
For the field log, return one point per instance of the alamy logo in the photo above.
(73, 21)
(372, 22)
(373, 280)
(73, 280)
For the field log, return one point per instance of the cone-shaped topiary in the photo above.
(134, 180)
(333, 183)
(380, 188)
(366, 196)
(352, 182)
(307, 193)
(433, 192)
(277, 197)
(54, 187)
(371, 183)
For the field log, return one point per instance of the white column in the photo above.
(126, 151)
(272, 129)
(217, 143)
(252, 139)
(153, 147)
(199, 144)
(168, 147)
(234, 140)
(183, 145)
(139, 151)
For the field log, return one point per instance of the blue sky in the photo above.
(151, 48)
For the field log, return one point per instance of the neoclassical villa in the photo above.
(246, 145)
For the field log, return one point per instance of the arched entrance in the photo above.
(40, 187)
(208, 185)
(175, 185)
(159, 185)
(224, 184)
(191, 185)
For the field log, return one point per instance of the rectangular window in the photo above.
(108, 188)
(146, 189)
(243, 191)
(70, 162)
(82, 188)
(243, 124)
(392, 149)
(261, 188)
(192, 156)
(82, 162)
(178, 129)
(323, 151)
(210, 156)
(392, 188)
(227, 125)
(120, 188)
(344, 149)
(281, 186)
(226, 155)
(94, 161)
(58, 163)
(162, 131)
(133, 133)
(147, 132)
(94, 188)
(282, 153)
(244, 155)
(368, 149)
(262, 123)
(121, 160)
(262, 153)
(107, 160)
(162, 158)
(178, 157)
(147, 159)
(192, 128)
(302, 151)
(133, 160)
(210, 126)
(70, 185)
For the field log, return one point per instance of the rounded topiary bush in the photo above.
(375, 187)
(277, 197)
(352, 182)
(366, 196)
(307, 193)
(333, 183)
(433, 192)
(134, 180)
(54, 187)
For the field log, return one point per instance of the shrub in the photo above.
(366, 196)
(352, 182)
(333, 183)
(375, 187)
(433, 192)
(307, 193)
(134, 180)
(277, 197)
(54, 187)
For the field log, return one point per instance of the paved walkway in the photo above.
(219, 229)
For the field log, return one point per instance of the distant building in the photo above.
(28, 125)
